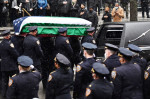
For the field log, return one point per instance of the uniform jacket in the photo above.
(83, 77)
(92, 17)
(147, 83)
(42, 3)
(99, 89)
(107, 19)
(117, 17)
(18, 43)
(32, 48)
(59, 84)
(127, 82)
(24, 86)
(8, 55)
(64, 8)
(88, 39)
(112, 62)
(62, 45)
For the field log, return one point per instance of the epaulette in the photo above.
(14, 75)
(52, 72)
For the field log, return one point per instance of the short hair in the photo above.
(90, 52)
(128, 59)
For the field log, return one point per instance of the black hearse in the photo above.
(123, 33)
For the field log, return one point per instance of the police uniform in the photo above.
(127, 78)
(88, 38)
(62, 45)
(83, 76)
(61, 80)
(112, 61)
(25, 85)
(32, 48)
(8, 60)
(147, 83)
(99, 88)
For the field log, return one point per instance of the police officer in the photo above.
(32, 47)
(100, 88)
(8, 60)
(145, 8)
(62, 44)
(89, 37)
(25, 85)
(147, 83)
(127, 78)
(61, 80)
(17, 40)
(83, 76)
(124, 4)
(137, 58)
(111, 58)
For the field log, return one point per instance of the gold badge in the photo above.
(12, 45)
(94, 41)
(88, 92)
(10, 82)
(67, 41)
(50, 78)
(38, 42)
(113, 74)
(146, 75)
(78, 68)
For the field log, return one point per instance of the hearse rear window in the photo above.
(115, 34)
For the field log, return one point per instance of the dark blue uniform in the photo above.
(112, 62)
(18, 43)
(63, 46)
(88, 39)
(127, 82)
(32, 48)
(59, 84)
(147, 83)
(24, 86)
(99, 89)
(83, 77)
(9, 64)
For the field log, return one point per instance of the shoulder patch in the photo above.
(94, 41)
(79, 68)
(67, 41)
(113, 74)
(146, 75)
(38, 42)
(12, 45)
(88, 92)
(50, 78)
(10, 82)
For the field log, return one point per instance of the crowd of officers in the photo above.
(27, 59)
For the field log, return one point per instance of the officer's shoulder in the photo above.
(35, 72)
(53, 73)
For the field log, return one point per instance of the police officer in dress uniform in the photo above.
(61, 80)
(89, 37)
(127, 78)
(100, 88)
(8, 60)
(145, 7)
(147, 83)
(111, 58)
(32, 47)
(25, 85)
(62, 44)
(83, 76)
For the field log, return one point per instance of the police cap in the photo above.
(92, 29)
(62, 30)
(134, 48)
(63, 60)
(100, 68)
(25, 61)
(125, 52)
(89, 46)
(32, 28)
(5, 33)
(111, 47)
